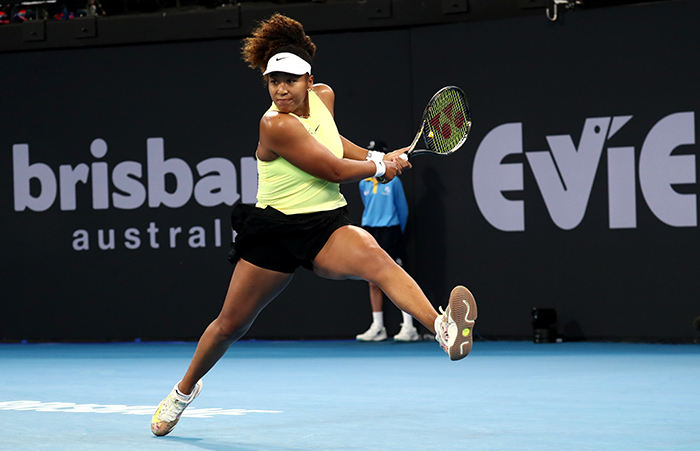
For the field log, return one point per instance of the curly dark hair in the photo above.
(277, 34)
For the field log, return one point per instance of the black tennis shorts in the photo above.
(391, 240)
(273, 240)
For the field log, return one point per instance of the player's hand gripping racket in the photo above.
(445, 124)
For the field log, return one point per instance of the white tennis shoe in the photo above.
(454, 327)
(374, 333)
(407, 334)
(170, 410)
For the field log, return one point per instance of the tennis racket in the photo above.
(445, 124)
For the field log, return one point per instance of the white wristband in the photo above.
(374, 155)
(381, 168)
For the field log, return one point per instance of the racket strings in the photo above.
(448, 121)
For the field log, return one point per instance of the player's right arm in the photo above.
(282, 135)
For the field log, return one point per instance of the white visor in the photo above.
(288, 63)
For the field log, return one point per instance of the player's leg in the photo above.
(352, 252)
(250, 290)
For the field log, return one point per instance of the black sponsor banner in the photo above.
(119, 170)
(577, 189)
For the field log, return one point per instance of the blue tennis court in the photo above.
(343, 395)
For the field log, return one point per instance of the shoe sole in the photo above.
(463, 312)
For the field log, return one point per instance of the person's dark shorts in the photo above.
(272, 240)
(391, 240)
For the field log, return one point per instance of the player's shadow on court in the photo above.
(203, 444)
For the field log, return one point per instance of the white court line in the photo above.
(191, 412)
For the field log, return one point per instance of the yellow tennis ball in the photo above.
(430, 135)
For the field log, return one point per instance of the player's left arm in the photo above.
(350, 150)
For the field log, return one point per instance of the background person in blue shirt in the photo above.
(384, 217)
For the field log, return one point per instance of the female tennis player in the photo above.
(300, 217)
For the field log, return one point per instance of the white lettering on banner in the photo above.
(196, 237)
(658, 170)
(565, 174)
(622, 193)
(217, 185)
(23, 172)
(491, 177)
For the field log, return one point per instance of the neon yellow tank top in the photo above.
(290, 190)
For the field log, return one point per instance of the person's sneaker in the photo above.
(454, 328)
(374, 333)
(407, 333)
(170, 410)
